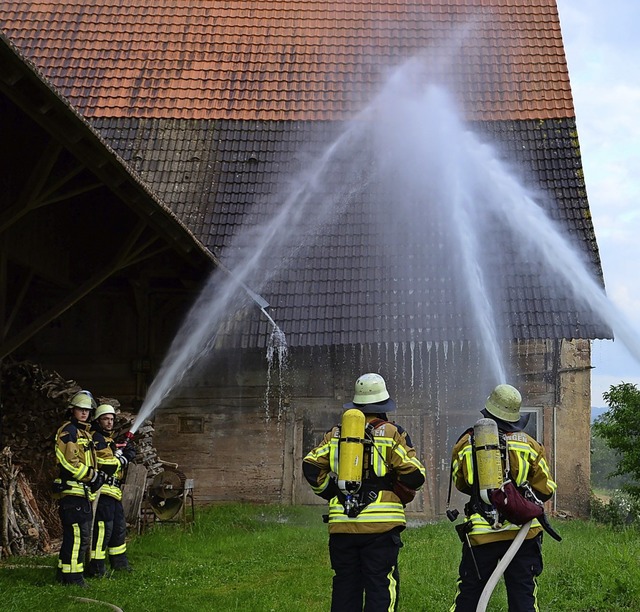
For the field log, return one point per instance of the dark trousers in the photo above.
(365, 564)
(75, 516)
(519, 577)
(117, 545)
(109, 536)
(102, 533)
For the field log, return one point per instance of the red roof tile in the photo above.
(294, 59)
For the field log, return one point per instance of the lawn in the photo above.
(268, 558)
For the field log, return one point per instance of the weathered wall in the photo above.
(241, 434)
(573, 428)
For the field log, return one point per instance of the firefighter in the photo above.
(75, 487)
(364, 528)
(110, 525)
(486, 540)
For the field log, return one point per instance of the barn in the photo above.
(222, 215)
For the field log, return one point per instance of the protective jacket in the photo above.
(108, 462)
(76, 458)
(527, 463)
(389, 460)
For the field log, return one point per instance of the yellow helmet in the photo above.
(83, 399)
(504, 403)
(103, 409)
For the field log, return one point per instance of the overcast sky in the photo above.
(603, 53)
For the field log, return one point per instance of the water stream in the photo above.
(452, 197)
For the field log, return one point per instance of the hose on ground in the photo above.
(104, 603)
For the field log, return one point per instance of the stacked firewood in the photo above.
(23, 528)
(34, 405)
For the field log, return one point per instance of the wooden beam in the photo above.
(128, 254)
(29, 199)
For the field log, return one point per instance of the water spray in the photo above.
(198, 340)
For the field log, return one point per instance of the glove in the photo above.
(97, 481)
(129, 452)
(119, 455)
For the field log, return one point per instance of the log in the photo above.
(23, 530)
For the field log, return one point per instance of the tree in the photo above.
(604, 462)
(620, 427)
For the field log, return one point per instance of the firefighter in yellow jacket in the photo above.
(488, 535)
(110, 525)
(75, 487)
(367, 515)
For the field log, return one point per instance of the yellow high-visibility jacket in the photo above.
(108, 462)
(527, 462)
(76, 459)
(392, 457)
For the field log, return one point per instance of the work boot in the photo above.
(96, 568)
(75, 579)
(120, 563)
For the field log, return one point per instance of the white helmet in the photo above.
(82, 399)
(370, 389)
(103, 409)
(504, 403)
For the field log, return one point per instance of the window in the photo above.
(534, 426)
(191, 424)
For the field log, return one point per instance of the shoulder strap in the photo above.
(377, 422)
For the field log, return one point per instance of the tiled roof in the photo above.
(292, 59)
(215, 104)
(354, 284)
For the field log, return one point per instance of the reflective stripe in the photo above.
(393, 590)
(78, 489)
(334, 445)
(467, 456)
(315, 457)
(111, 491)
(98, 550)
(375, 512)
(377, 454)
(78, 472)
(76, 564)
(481, 526)
(118, 550)
(401, 451)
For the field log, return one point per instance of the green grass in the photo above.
(270, 558)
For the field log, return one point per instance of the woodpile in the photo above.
(23, 528)
(34, 406)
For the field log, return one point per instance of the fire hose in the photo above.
(97, 601)
(501, 567)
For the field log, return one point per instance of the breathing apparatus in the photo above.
(488, 463)
(351, 458)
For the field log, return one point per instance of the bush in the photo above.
(621, 510)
